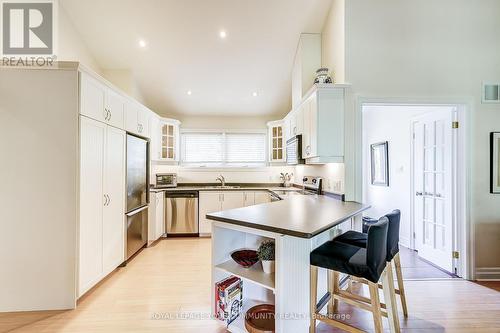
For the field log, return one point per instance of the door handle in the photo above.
(419, 194)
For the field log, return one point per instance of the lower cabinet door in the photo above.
(262, 197)
(113, 225)
(92, 146)
(233, 199)
(209, 202)
(249, 199)
(160, 215)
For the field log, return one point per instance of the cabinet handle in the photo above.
(109, 112)
(107, 200)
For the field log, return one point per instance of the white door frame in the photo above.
(464, 235)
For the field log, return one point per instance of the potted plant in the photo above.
(266, 255)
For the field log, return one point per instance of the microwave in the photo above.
(164, 180)
(294, 151)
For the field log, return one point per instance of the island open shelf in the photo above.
(253, 274)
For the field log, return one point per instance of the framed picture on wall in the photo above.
(495, 162)
(380, 163)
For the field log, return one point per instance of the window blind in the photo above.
(202, 147)
(243, 148)
(223, 149)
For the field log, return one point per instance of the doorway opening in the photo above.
(424, 177)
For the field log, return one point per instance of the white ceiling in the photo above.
(184, 51)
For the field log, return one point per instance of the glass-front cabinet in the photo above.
(165, 142)
(276, 141)
(168, 141)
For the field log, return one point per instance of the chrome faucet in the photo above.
(222, 180)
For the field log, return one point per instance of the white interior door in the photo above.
(113, 224)
(433, 197)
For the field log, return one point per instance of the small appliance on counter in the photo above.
(294, 151)
(166, 180)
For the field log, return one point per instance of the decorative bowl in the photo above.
(245, 258)
(260, 319)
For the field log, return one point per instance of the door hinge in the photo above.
(454, 124)
(456, 254)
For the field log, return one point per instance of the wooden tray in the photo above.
(260, 319)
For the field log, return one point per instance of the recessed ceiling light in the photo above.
(222, 34)
(254, 94)
(189, 92)
(142, 43)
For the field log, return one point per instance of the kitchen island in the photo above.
(297, 226)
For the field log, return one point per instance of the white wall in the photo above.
(434, 50)
(38, 195)
(333, 41)
(398, 132)
(332, 174)
(195, 175)
(71, 45)
(125, 80)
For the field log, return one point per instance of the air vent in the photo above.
(491, 93)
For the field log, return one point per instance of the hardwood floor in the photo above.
(173, 277)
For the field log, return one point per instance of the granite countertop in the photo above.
(302, 216)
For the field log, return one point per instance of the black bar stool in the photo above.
(361, 239)
(368, 264)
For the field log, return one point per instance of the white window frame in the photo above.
(224, 165)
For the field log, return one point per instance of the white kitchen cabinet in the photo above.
(232, 199)
(262, 197)
(137, 119)
(114, 189)
(248, 199)
(155, 147)
(170, 139)
(209, 202)
(115, 107)
(323, 118)
(92, 146)
(276, 135)
(99, 102)
(102, 201)
(156, 224)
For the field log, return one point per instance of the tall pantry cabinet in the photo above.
(102, 201)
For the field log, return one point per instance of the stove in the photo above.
(312, 185)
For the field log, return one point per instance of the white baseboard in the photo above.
(488, 274)
(404, 241)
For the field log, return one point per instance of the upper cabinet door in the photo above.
(276, 141)
(115, 109)
(131, 114)
(143, 121)
(92, 98)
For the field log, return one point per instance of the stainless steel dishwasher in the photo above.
(181, 213)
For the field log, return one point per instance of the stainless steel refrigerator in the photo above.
(137, 194)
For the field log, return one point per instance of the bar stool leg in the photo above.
(313, 295)
(375, 302)
(401, 288)
(390, 298)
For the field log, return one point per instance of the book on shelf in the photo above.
(228, 299)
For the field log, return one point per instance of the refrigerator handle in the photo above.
(132, 213)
